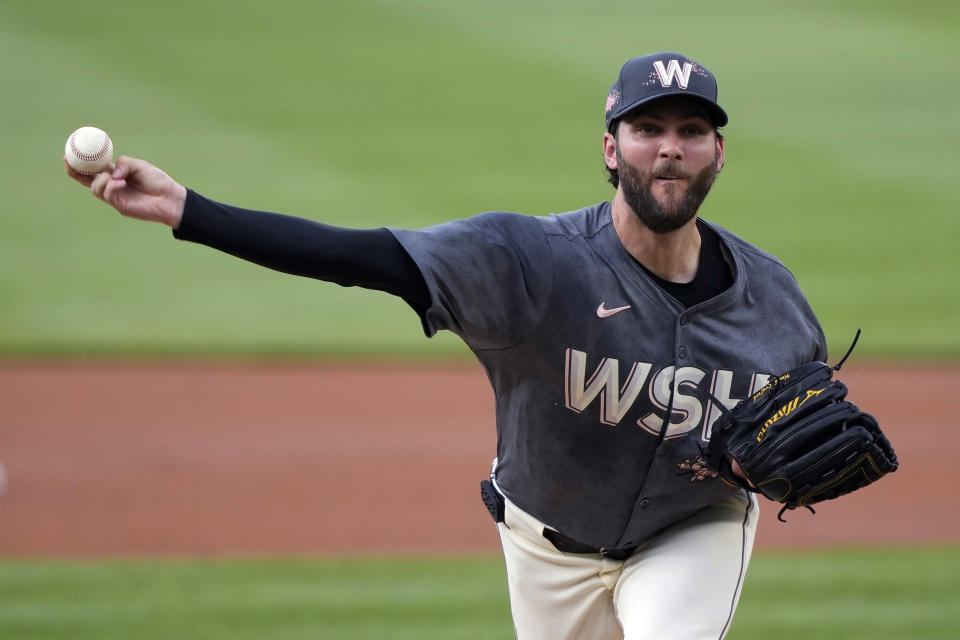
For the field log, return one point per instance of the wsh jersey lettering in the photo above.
(615, 400)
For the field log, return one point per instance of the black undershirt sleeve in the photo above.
(369, 258)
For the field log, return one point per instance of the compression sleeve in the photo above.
(369, 258)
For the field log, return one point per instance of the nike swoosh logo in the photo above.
(606, 313)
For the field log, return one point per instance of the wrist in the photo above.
(177, 205)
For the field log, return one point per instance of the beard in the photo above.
(664, 218)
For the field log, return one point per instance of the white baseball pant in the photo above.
(682, 584)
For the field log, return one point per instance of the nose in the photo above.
(671, 147)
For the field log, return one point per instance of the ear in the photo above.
(720, 142)
(610, 150)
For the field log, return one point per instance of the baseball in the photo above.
(89, 150)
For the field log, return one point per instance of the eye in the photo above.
(694, 130)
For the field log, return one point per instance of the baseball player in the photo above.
(595, 327)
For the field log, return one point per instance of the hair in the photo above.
(612, 176)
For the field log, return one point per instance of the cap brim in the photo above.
(718, 117)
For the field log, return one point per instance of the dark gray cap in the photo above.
(663, 74)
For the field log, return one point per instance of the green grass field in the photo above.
(841, 153)
(853, 595)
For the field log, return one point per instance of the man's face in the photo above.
(667, 156)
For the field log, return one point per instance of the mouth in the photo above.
(670, 177)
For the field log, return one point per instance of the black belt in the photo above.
(495, 505)
(569, 545)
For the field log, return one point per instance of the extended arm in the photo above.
(370, 258)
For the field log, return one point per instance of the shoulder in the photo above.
(753, 258)
(498, 228)
(766, 280)
(587, 221)
(518, 228)
(580, 223)
(507, 226)
(506, 222)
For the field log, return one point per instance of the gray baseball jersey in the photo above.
(597, 435)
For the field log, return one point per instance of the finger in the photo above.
(122, 168)
(85, 180)
(99, 184)
(113, 186)
(127, 166)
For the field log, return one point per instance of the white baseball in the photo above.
(89, 150)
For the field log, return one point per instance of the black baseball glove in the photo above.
(799, 441)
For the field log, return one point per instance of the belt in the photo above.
(569, 545)
(495, 505)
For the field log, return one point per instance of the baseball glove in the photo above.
(799, 441)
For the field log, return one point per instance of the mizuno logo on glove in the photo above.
(786, 410)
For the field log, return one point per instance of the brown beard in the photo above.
(636, 184)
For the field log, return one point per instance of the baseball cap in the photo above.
(663, 74)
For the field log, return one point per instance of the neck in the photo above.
(674, 256)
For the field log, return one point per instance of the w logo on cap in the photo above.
(660, 74)
(671, 71)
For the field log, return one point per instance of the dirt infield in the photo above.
(222, 459)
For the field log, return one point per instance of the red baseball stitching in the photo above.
(86, 157)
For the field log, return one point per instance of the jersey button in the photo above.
(662, 449)
(684, 321)
(645, 503)
(682, 353)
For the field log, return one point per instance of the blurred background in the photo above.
(841, 154)
(123, 350)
